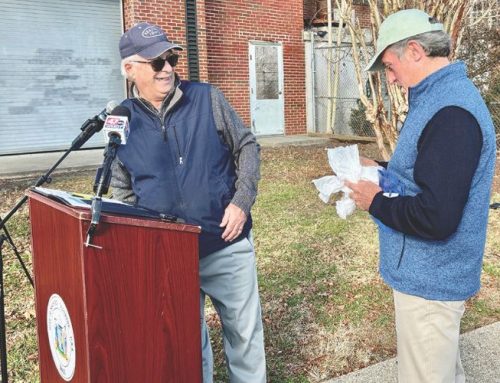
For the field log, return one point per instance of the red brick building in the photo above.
(253, 50)
(316, 12)
(227, 33)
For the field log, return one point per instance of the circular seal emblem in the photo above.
(61, 337)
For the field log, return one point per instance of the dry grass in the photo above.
(326, 311)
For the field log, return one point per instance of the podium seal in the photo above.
(61, 337)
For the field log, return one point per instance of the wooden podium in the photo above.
(126, 313)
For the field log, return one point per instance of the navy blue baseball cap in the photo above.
(146, 40)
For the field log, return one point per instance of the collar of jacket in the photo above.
(446, 74)
(168, 103)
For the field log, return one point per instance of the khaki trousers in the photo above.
(427, 336)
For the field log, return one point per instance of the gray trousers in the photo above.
(229, 278)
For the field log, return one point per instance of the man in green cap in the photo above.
(432, 203)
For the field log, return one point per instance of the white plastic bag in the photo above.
(328, 185)
(345, 163)
(345, 206)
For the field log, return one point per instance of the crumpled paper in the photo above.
(345, 163)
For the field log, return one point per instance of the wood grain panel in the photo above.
(134, 303)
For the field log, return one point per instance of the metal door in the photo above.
(266, 88)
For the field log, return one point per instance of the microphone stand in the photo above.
(101, 186)
(43, 179)
(3, 340)
(89, 127)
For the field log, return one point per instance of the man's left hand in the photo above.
(363, 193)
(234, 219)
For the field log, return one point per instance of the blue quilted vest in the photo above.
(181, 166)
(446, 269)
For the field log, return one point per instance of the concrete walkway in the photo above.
(480, 350)
(15, 166)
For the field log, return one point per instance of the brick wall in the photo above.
(310, 8)
(202, 39)
(230, 27)
(225, 28)
(362, 11)
(168, 14)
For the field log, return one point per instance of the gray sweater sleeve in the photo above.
(243, 146)
(121, 183)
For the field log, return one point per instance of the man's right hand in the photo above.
(233, 221)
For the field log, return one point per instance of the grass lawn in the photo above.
(326, 310)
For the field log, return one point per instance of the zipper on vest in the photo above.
(402, 251)
(178, 147)
(164, 132)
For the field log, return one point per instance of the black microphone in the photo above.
(116, 129)
(92, 126)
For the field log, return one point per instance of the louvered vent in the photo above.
(192, 41)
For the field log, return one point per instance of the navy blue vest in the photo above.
(181, 166)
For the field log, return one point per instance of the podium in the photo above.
(126, 312)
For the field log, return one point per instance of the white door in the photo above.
(266, 88)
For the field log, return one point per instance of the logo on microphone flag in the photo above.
(116, 125)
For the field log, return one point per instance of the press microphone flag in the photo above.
(92, 126)
(117, 124)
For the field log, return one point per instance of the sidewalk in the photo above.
(24, 165)
(480, 351)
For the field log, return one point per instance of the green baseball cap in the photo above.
(399, 26)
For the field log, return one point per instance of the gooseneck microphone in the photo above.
(92, 126)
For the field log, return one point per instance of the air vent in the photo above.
(192, 41)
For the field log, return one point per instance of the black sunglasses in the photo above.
(158, 63)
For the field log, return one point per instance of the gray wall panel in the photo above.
(59, 65)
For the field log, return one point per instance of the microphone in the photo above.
(116, 125)
(116, 132)
(92, 126)
(116, 129)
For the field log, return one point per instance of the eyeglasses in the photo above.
(158, 63)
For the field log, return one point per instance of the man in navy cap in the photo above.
(433, 215)
(189, 155)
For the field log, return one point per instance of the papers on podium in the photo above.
(84, 201)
